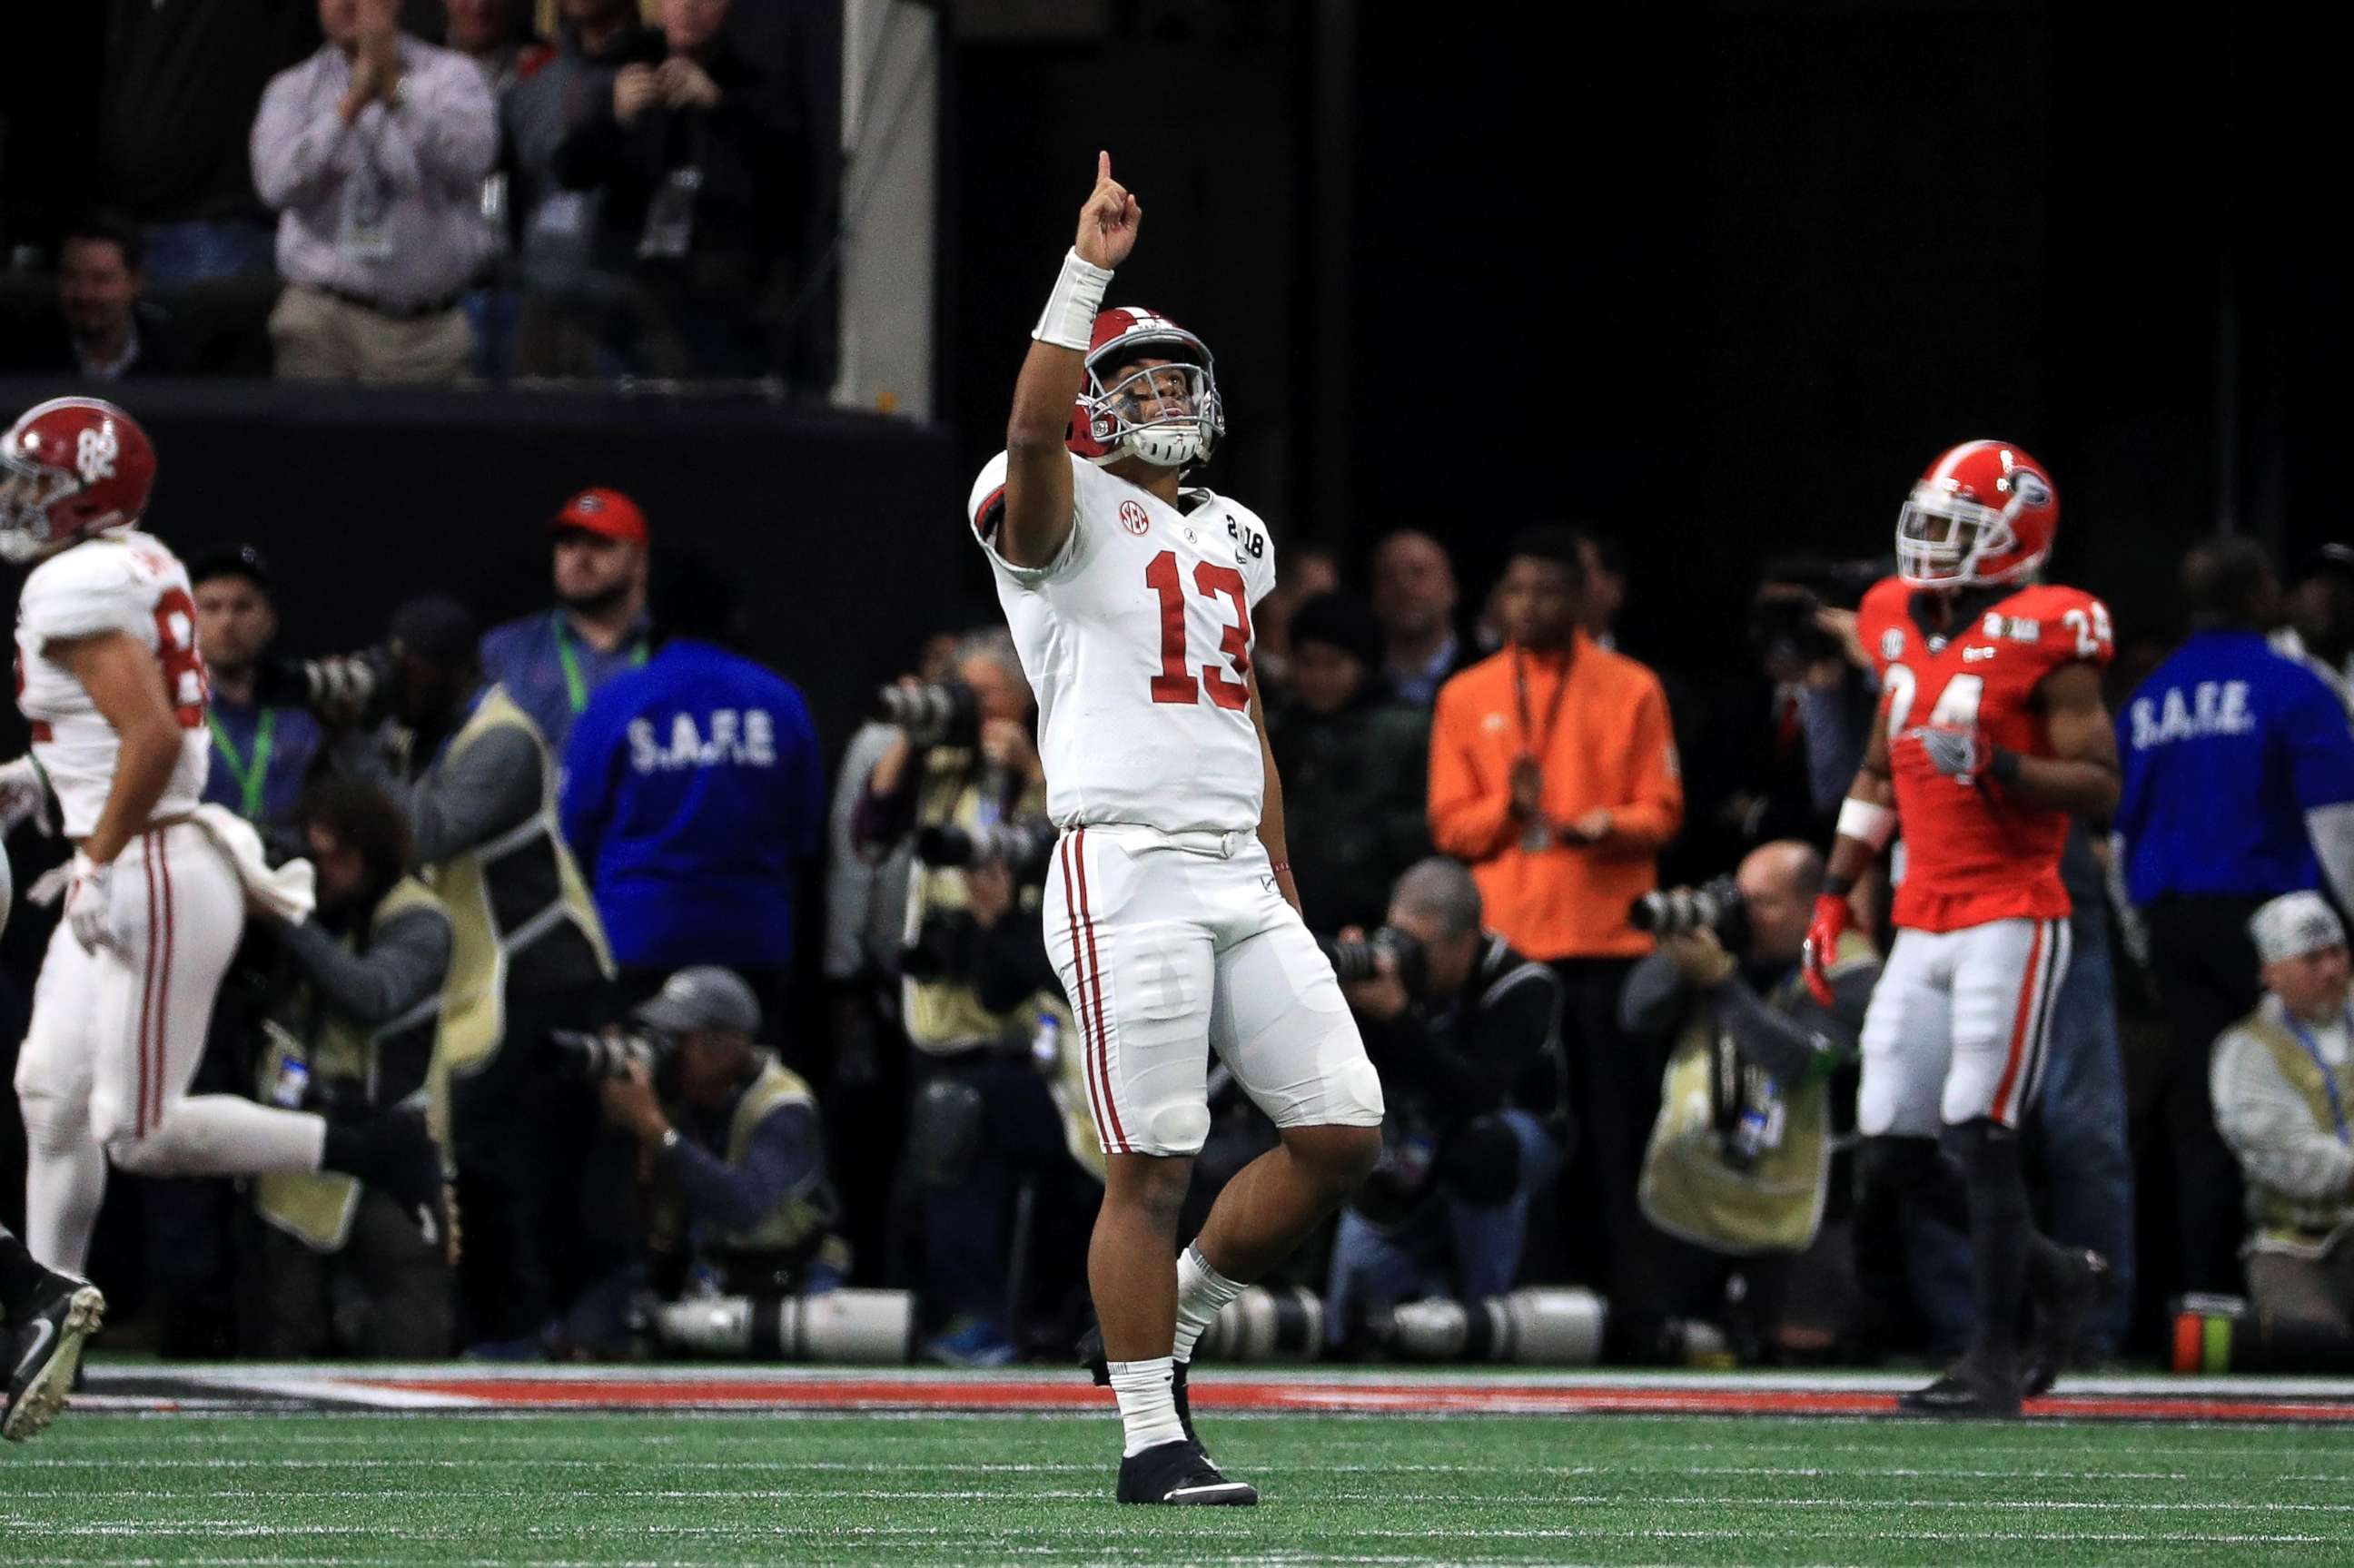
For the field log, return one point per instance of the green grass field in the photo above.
(243, 1492)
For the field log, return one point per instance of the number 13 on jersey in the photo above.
(1175, 683)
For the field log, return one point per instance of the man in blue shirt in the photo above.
(2239, 786)
(693, 799)
(262, 752)
(551, 660)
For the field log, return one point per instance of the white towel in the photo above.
(288, 894)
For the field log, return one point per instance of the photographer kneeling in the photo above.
(1740, 1158)
(1465, 1033)
(965, 779)
(731, 1162)
(350, 1027)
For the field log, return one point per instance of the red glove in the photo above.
(1834, 918)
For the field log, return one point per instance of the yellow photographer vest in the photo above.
(316, 1208)
(2287, 1224)
(1690, 1190)
(790, 1223)
(946, 1014)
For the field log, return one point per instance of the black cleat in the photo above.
(1180, 1475)
(1965, 1393)
(1098, 1365)
(395, 1153)
(2061, 1318)
(45, 1354)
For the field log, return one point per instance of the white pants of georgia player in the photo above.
(1958, 1026)
(115, 1038)
(1171, 946)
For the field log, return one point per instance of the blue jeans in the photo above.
(2079, 1131)
(1480, 1248)
(180, 254)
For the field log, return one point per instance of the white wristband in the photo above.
(1867, 822)
(1069, 319)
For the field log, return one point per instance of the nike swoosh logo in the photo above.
(43, 1332)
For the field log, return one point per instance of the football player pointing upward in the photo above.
(1993, 734)
(1170, 912)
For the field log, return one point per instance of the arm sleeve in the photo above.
(493, 787)
(1807, 1041)
(1469, 819)
(446, 138)
(295, 142)
(1655, 807)
(785, 1156)
(406, 962)
(2269, 1127)
(1652, 998)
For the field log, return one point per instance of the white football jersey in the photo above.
(1137, 639)
(128, 583)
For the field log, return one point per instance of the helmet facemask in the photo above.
(1942, 537)
(1167, 413)
(28, 491)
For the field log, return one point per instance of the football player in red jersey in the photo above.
(1992, 735)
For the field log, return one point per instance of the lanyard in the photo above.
(2328, 1078)
(250, 778)
(574, 686)
(1538, 745)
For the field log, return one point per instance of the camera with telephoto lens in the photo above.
(1361, 960)
(357, 684)
(1715, 904)
(1797, 587)
(594, 1058)
(1023, 843)
(945, 712)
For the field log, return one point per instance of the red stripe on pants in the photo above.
(146, 992)
(164, 986)
(1080, 1003)
(2018, 1030)
(1103, 1043)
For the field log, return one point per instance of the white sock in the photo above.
(1201, 1293)
(65, 1182)
(222, 1135)
(1148, 1403)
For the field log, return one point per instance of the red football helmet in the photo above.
(69, 468)
(1170, 414)
(1984, 512)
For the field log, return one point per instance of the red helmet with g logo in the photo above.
(69, 468)
(1984, 512)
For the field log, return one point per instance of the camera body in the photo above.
(1715, 904)
(356, 684)
(1023, 843)
(945, 712)
(591, 1058)
(1361, 960)
(1782, 623)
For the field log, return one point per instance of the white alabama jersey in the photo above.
(1137, 641)
(126, 582)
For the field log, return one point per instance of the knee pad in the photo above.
(52, 1123)
(1480, 1162)
(1180, 1129)
(944, 1133)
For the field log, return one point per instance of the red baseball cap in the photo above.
(597, 510)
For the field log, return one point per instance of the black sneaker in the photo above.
(1180, 1475)
(1098, 1365)
(45, 1353)
(1967, 1393)
(2086, 1282)
(395, 1153)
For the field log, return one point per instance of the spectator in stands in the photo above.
(355, 1009)
(1554, 776)
(496, 34)
(1604, 561)
(1355, 764)
(476, 783)
(262, 752)
(731, 1169)
(176, 89)
(2320, 629)
(103, 329)
(1415, 597)
(2280, 1080)
(698, 163)
(1466, 1038)
(566, 291)
(694, 798)
(374, 151)
(551, 660)
(2239, 786)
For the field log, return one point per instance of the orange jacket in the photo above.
(1609, 746)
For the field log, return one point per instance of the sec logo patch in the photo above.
(1133, 517)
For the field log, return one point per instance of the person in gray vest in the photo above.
(1740, 1160)
(473, 777)
(353, 1016)
(2281, 1080)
